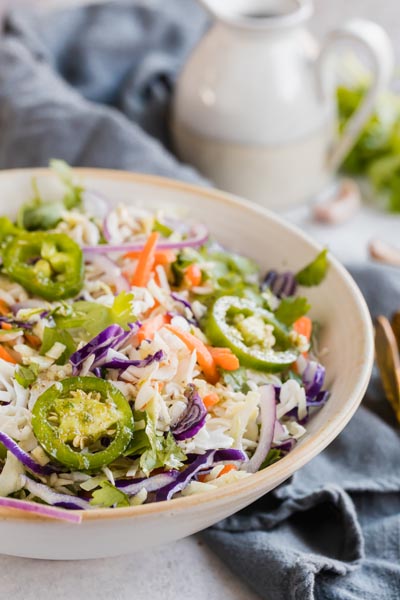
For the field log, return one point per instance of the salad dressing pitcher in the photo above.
(254, 107)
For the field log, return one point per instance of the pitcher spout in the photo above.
(259, 15)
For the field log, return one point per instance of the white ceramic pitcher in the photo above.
(254, 107)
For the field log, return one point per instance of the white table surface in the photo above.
(187, 569)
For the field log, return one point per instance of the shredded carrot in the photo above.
(150, 326)
(6, 326)
(161, 257)
(204, 357)
(224, 358)
(4, 310)
(145, 264)
(193, 275)
(227, 469)
(303, 326)
(210, 399)
(5, 355)
(33, 340)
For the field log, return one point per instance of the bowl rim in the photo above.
(284, 468)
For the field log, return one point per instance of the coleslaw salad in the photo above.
(173, 369)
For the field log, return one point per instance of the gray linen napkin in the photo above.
(332, 532)
(92, 86)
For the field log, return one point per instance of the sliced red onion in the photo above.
(41, 509)
(150, 484)
(278, 429)
(48, 495)
(177, 225)
(193, 417)
(286, 445)
(268, 419)
(202, 462)
(280, 284)
(124, 363)
(24, 457)
(199, 236)
(111, 337)
(106, 228)
(95, 203)
(111, 273)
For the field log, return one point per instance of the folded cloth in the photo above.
(332, 532)
(92, 85)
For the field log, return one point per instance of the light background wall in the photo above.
(328, 13)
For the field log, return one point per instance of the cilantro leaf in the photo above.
(40, 215)
(73, 194)
(91, 317)
(155, 449)
(88, 317)
(51, 335)
(315, 272)
(121, 310)
(292, 308)
(163, 452)
(236, 379)
(272, 457)
(163, 229)
(140, 440)
(108, 495)
(26, 376)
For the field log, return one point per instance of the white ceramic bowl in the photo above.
(253, 231)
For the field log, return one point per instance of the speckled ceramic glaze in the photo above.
(253, 231)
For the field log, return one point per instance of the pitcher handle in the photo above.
(373, 41)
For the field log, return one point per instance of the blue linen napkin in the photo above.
(92, 85)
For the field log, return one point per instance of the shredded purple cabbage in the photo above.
(193, 417)
(319, 400)
(111, 337)
(46, 493)
(24, 457)
(202, 462)
(186, 304)
(15, 322)
(280, 284)
(178, 298)
(230, 454)
(313, 379)
(124, 363)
